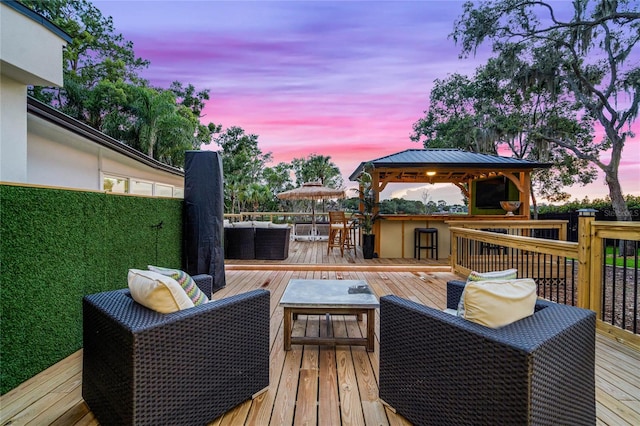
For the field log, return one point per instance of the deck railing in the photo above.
(614, 280)
(599, 272)
(279, 217)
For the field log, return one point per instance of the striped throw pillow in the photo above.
(186, 282)
(507, 274)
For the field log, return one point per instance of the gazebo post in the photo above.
(525, 195)
(375, 184)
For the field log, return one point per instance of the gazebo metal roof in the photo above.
(444, 165)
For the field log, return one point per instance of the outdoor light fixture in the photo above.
(587, 212)
(431, 173)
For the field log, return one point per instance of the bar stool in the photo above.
(340, 233)
(431, 242)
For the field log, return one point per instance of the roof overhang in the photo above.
(431, 174)
(448, 166)
(51, 114)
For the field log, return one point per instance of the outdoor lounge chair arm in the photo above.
(454, 292)
(187, 367)
(539, 370)
(204, 283)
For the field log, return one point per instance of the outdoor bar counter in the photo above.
(396, 232)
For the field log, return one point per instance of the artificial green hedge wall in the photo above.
(59, 245)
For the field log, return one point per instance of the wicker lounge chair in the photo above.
(239, 243)
(272, 243)
(188, 367)
(437, 368)
(257, 243)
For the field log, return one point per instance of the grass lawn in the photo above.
(631, 260)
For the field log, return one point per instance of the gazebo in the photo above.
(484, 179)
(450, 166)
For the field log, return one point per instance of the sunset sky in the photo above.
(342, 79)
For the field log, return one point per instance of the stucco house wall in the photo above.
(64, 152)
(41, 146)
(30, 54)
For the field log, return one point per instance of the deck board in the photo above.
(313, 384)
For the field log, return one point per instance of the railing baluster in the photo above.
(635, 289)
(604, 281)
(565, 273)
(614, 281)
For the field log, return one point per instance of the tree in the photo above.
(242, 162)
(195, 102)
(177, 134)
(151, 108)
(452, 119)
(277, 179)
(317, 168)
(103, 89)
(425, 199)
(523, 108)
(589, 63)
(494, 111)
(256, 195)
(95, 54)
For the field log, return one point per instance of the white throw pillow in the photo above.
(498, 303)
(246, 224)
(260, 224)
(278, 225)
(158, 292)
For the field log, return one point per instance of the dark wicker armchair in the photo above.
(437, 368)
(188, 367)
(239, 243)
(257, 243)
(272, 243)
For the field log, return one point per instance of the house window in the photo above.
(126, 185)
(163, 190)
(140, 187)
(115, 184)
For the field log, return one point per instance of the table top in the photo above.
(328, 294)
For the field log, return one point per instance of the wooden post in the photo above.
(562, 232)
(454, 250)
(525, 195)
(375, 184)
(586, 217)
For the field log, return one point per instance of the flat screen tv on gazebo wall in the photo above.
(488, 193)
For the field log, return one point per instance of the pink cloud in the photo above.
(344, 79)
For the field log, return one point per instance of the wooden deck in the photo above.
(319, 385)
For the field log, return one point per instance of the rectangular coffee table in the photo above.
(337, 297)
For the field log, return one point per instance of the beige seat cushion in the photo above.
(278, 225)
(507, 274)
(498, 303)
(158, 292)
(246, 224)
(261, 224)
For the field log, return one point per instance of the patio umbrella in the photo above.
(312, 191)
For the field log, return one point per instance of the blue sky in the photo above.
(345, 79)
